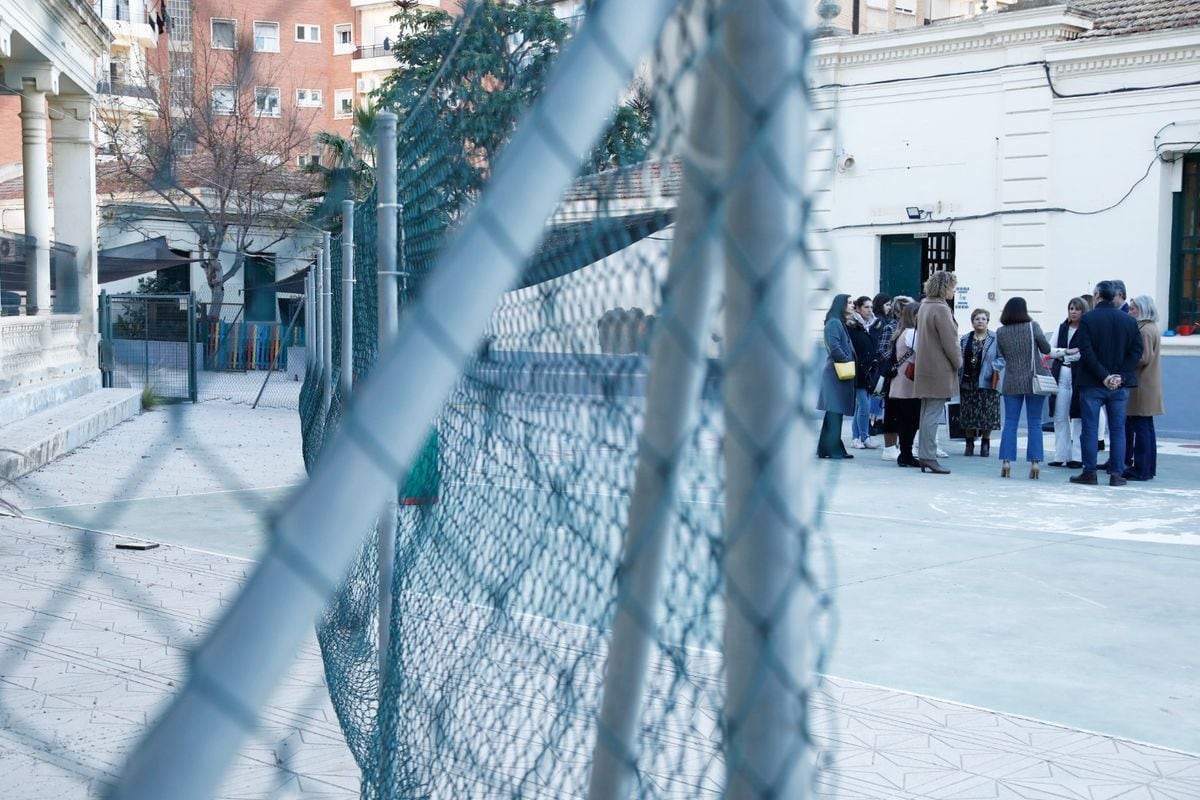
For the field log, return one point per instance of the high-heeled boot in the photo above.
(970, 448)
(985, 447)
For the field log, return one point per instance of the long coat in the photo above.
(938, 355)
(1146, 399)
(864, 353)
(836, 396)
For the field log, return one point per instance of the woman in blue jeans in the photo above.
(1016, 347)
(858, 325)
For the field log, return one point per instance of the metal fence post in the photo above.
(327, 320)
(766, 602)
(672, 398)
(318, 288)
(185, 754)
(310, 355)
(389, 322)
(347, 381)
(193, 378)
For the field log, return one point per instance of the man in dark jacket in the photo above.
(1109, 349)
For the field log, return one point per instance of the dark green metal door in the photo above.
(900, 265)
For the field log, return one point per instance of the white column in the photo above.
(34, 81)
(75, 203)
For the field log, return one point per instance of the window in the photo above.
(309, 98)
(308, 33)
(179, 12)
(266, 37)
(305, 159)
(906, 7)
(1184, 306)
(224, 101)
(266, 101)
(224, 33)
(343, 38)
(343, 103)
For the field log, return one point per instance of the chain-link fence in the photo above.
(149, 342)
(597, 571)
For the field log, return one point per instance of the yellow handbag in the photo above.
(844, 370)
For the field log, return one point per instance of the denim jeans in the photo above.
(1035, 406)
(860, 427)
(1113, 401)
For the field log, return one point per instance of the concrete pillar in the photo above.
(34, 81)
(75, 204)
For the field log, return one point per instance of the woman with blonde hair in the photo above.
(1145, 399)
(938, 362)
(979, 403)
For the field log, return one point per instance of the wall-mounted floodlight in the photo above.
(915, 212)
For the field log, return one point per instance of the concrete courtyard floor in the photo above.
(996, 638)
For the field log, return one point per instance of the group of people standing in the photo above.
(902, 360)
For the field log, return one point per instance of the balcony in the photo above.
(372, 51)
(373, 58)
(123, 89)
(127, 20)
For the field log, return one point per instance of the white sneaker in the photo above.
(869, 444)
(889, 453)
(855, 444)
(942, 453)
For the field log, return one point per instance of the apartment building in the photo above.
(375, 33)
(882, 16)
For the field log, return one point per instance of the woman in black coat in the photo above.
(865, 347)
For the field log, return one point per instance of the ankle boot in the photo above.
(970, 449)
(985, 448)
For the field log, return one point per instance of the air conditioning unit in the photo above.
(365, 85)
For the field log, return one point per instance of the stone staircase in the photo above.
(42, 422)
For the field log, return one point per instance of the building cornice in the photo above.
(80, 16)
(987, 32)
(1131, 51)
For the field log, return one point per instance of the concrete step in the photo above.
(18, 404)
(44, 436)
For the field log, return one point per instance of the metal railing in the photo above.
(372, 51)
(123, 89)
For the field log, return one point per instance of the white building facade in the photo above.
(48, 54)
(1034, 151)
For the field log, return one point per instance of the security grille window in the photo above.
(224, 33)
(179, 14)
(1185, 249)
(906, 7)
(224, 100)
(266, 37)
(266, 101)
(309, 98)
(343, 103)
(343, 38)
(308, 33)
(938, 255)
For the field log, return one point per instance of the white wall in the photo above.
(975, 144)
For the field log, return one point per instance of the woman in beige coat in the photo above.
(1145, 399)
(938, 361)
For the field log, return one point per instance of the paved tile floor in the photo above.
(93, 640)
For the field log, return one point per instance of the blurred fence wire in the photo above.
(607, 579)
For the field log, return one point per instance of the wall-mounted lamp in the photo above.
(915, 212)
(845, 161)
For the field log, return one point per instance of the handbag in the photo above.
(1043, 385)
(844, 370)
(910, 370)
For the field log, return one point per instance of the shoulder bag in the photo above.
(844, 370)
(1043, 385)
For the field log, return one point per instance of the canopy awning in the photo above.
(137, 258)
